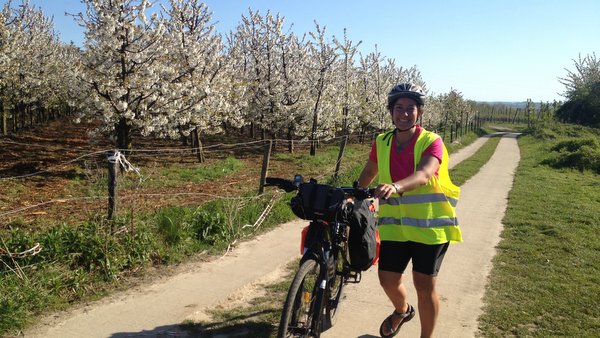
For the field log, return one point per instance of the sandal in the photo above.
(387, 323)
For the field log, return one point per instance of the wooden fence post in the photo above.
(340, 156)
(113, 166)
(265, 167)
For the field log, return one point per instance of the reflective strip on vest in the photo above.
(420, 223)
(422, 198)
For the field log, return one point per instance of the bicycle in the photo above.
(313, 298)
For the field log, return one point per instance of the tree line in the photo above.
(160, 68)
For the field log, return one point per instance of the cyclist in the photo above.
(417, 200)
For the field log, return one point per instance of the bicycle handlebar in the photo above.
(289, 186)
(286, 185)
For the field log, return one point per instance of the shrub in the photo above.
(172, 225)
(573, 145)
(578, 153)
(540, 131)
(209, 226)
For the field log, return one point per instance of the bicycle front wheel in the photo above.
(297, 316)
(335, 288)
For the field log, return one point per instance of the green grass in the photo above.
(175, 175)
(75, 263)
(93, 180)
(322, 165)
(546, 278)
(470, 166)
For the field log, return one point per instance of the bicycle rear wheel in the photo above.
(297, 316)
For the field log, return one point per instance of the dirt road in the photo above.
(157, 309)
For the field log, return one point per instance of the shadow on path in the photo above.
(246, 328)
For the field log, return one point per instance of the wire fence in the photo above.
(151, 178)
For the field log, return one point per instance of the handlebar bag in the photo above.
(317, 202)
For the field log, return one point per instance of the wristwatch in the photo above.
(396, 187)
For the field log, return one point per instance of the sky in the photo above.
(489, 50)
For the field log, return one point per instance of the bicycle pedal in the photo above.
(354, 277)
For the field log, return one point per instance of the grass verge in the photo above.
(546, 279)
(470, 166)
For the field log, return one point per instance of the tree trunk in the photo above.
(123, 131)
(361, 136)
(184, 140)
(22, 116)
(345, 112)
(43, 115)
(313, 145)
(14, 118)
(4, 125)
(313, 137)
(514, 120)
(290, 141)
(28, 116)
(198, 144)
(313, 140)
(193, 144)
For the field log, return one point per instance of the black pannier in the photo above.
(362, 240)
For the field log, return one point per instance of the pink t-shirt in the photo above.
(402, 163)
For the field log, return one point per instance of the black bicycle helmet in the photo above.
(409, 90)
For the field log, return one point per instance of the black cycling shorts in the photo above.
(427, 259)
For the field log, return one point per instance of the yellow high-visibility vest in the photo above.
(424, 215)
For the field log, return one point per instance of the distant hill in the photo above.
(518, 105)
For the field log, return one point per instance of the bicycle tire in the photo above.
(297, 316)
(335, 289)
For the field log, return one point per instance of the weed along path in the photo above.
(156, 310)
(462, 279)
